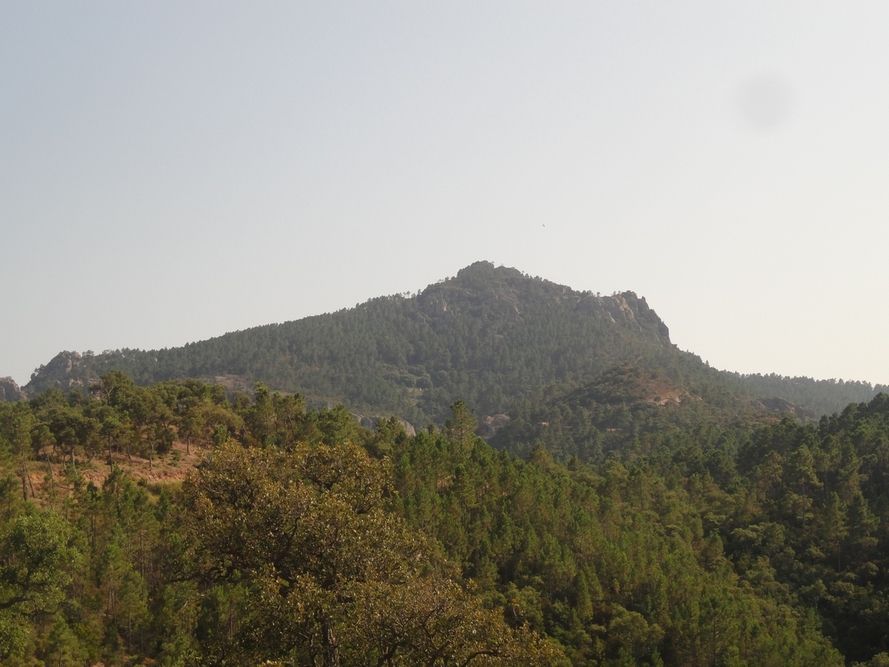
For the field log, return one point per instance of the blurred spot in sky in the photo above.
(766, 102)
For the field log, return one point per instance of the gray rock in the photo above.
(10, 391)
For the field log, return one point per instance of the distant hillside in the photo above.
(820, 397)
(490, 336)
(630, 412)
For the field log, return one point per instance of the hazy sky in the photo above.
(170, 171)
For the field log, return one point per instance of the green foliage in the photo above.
(35, 556)
(492, 337)
(614, 564)
(689, 535)
(812, 515)
(328, 574)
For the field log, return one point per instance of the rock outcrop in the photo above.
(10, 391)
(66, 371)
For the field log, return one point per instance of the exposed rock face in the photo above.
(626, 309)
(636, 310)
(408, 427)
(10, 391)
(65, 371)
(491, 424)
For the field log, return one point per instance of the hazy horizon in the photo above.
(169, 173)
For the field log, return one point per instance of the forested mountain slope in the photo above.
(627, 412)
(490, 336)
(487, 336)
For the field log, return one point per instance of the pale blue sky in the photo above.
(170, 171)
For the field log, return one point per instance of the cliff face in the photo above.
(10, 391)
(629, 311)
(65, 371)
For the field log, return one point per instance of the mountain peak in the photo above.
(485, 272)
(486, 290)
(479, 267)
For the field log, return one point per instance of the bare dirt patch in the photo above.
(50, 476)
